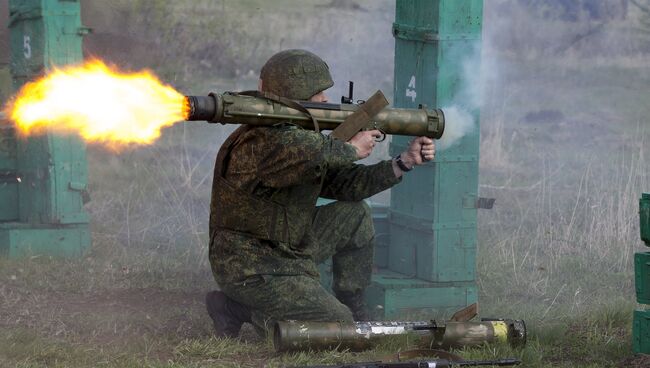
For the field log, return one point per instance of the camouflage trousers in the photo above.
(346, 234)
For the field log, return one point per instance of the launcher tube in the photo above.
(229, 108)
(309, 335)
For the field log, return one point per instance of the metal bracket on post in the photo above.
(427, 34)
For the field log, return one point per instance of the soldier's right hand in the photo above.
(364, 142)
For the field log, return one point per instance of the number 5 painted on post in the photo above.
(27, 47)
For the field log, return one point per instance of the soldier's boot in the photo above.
(356, 301)
(227, 315)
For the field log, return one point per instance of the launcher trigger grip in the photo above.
(383, 136)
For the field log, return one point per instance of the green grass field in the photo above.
(99, 311)
(563, 150)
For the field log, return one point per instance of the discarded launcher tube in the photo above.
(301, 336)
(436, 363)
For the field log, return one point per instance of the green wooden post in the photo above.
(431, 255)
(45, 176)
(641, 320)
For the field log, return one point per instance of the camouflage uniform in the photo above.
(266, 233)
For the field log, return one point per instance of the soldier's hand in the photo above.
(420, 150)
(364, 142)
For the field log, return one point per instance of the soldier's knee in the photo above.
(340, 312)
(358, 209)
(365, 214)
(365, 230)
(364, 207)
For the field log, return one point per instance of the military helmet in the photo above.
(295, 74)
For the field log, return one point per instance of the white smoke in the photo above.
(460, 120)
(475, 70)
(458, 123)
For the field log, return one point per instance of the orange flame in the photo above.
(99, 103)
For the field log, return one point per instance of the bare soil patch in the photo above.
(639, 361)
(106, 316)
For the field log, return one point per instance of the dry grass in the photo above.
(562, 150)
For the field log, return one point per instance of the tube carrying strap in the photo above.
(360, 118)
(284, 101)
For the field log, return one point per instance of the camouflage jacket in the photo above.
(291, 167)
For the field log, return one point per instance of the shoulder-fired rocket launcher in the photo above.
(256, 109)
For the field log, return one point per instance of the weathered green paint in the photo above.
(52, 168)
(642, 277)
(641, 332)
(644, 217)
(8, 188)
(8, 185)
(641, 325)
(432, 216)
(393, 295)
(28, 240)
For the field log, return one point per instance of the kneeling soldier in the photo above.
(266, 233)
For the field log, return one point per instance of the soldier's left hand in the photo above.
(420, 150)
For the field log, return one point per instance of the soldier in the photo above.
(266, 233)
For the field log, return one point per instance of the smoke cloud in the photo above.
(458, 123)
(459, 120)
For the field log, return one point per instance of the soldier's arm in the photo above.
(297, 156)
(352, 182)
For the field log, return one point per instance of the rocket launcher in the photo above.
(301, 336)
(263, 109)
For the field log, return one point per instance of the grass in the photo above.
(597, 340)
(555, 251)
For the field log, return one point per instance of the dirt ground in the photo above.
(106, 318)
(125, 319)
(642, 361)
